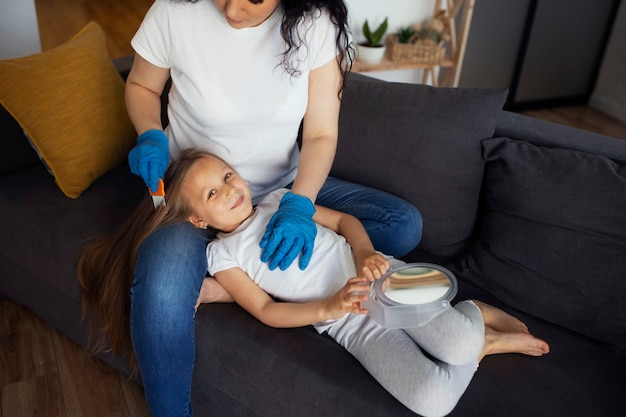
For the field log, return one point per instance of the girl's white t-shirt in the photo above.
(332, 262)
(230, 95)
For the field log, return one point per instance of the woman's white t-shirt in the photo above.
(230, 95)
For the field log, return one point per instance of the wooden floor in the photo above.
(43, 373)
(582, 117)
(59, 20)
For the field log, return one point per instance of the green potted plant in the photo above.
(405, 34)
(372, 50)
(419, 43)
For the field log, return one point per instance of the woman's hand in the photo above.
(150, 157)
(212, 292)
(372, 266)
(348, 299)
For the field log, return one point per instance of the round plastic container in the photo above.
(411, 295)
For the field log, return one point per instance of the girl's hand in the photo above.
(348, 299)
(372, 266)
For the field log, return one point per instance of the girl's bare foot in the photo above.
(500, 320)
(512, 342)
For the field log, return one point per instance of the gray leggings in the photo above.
(426, 368)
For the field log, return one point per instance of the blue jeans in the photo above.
(171, 265)
(393, 224)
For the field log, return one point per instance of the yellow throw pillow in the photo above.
(70, 102)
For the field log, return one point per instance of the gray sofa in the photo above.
(530, 216)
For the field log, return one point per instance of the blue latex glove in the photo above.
(150, 157)
(290, 231)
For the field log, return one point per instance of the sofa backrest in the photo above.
(16, 150)
(420, 143)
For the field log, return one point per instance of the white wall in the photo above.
(19, 32)
(400, 13)
(609, 94)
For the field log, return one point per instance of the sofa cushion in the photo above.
(423, 144)
(70, 102)
(245, 368)
(553, 236)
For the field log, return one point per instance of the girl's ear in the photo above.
(196, 221)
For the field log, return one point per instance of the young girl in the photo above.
(427, 368)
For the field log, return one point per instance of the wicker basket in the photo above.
(416, 51)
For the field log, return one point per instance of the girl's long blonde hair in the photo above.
(107, 264)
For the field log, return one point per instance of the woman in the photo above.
(245, 74)
(427, 368)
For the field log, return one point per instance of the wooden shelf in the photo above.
(452, 12)
(388, 65)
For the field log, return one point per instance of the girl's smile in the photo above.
(238, 202)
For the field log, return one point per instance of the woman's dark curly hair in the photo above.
(294, 13)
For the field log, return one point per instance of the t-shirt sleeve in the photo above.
(323, 40)
(152, 40)
(219, 258)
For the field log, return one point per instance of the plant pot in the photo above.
(371, 54)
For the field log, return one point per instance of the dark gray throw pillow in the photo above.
(423, 144)
(553, 238)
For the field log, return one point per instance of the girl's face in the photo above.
(218, 197)
(246, 13)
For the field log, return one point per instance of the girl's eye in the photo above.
(228, 176)
(212, 193)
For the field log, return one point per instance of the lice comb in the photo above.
(158, 196)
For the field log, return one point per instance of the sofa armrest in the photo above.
(543, 133)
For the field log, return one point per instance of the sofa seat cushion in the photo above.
(247, 369)
(273, 372)
(552, 241)
(427, 141)
(46, 229)
(70, 102)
